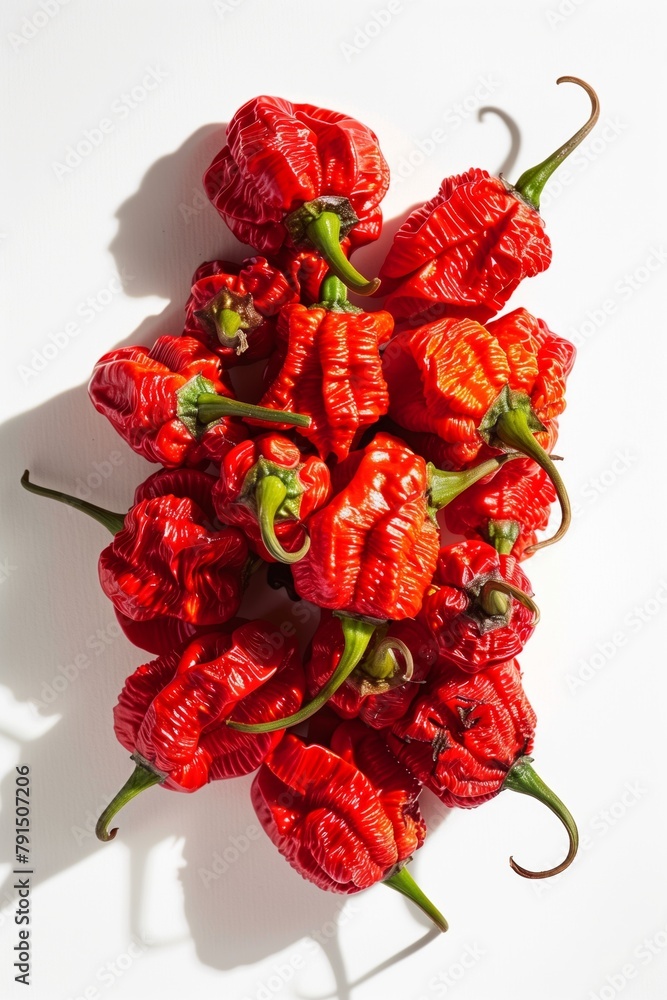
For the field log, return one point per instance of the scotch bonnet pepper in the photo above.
(345, 816)
(330, 369)
(374, 548)
(507, 510)
(268, 488)
(300, 175)
(479, 390)
(166, 559)
(465, 251)
(171, 403)
(233, 308)
(170, 711)
(468, 736)
(478, 607)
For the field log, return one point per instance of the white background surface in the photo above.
(135, 918)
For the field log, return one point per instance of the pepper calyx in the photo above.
(333, 297)
(323, 223)
(401, 881)
(270, 494)
(522, 778)
(380, 670)
(503, 535)
(144, 776)
(229, 317)
(294, 489)
(358, 633)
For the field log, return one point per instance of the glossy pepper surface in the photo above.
(478, 607)
(506, 510)
(466, 250)
(328, 367)
(344, 816)
(170, 712)
(233, 308)
(478, 390)
(268, 488)
(468, 736)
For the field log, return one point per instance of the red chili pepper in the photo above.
(233, 308)
(467, 736)
(507, 510)
(301, 175)
(268, 488)
(479, 606)
(341, 827)
(481, 390)
(162, 401)
(170, 712)
(374, 548)
(166, 559)
(465, 251)
(330, 369)
(380, 688)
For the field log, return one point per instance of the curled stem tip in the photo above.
(357, 633)
(404, 883)
(270, 493)
(141, 778)
(110, 519)
(532, 182)
(522, 778)
(383, 664)
(503, 587)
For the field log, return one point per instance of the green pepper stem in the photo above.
(357, 633)
(522, 778)
(382, 663)
(404, 883)
(494, 589)
(532, 182)
(513, 429)
(212, 407)
(111, 520)
(141, 778)
(443, 487)
(269, 495)
(229, 322)
(324, 233)
(503, 535)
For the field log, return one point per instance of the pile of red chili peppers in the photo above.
(368, 423)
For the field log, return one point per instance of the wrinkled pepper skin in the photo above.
(167, 560)
(464, 732)
(306, 478)
(144, 396)
(464, 252)
(281, 155)
(519, 496)
(171, 711)
(379, 702)
(327, 366)
(342, 817)
(469, 631)
(445, 377)
(254, 290)
(374, 546)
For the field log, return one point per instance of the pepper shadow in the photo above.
(65, 671)
(508, 164)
